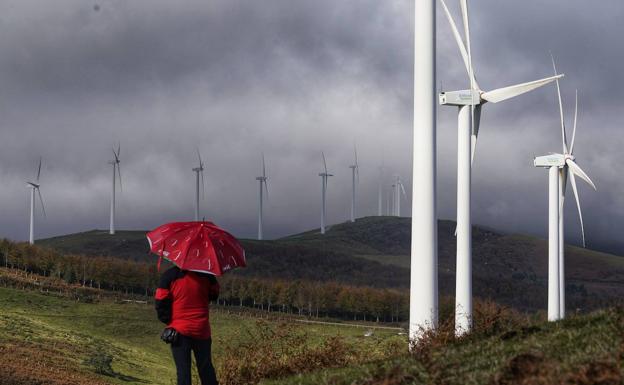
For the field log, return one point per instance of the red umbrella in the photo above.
(197, 246)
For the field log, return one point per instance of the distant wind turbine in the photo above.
(199, 170)
(116, 163)
(263, 187)
(355, 177)
(470, 103)
(400, 191)
(35, 187)
(380, 192)
(560, 167)
(324, 176)
(393, 194)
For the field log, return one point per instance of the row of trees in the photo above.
(272, 295)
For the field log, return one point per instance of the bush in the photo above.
(278, 351)
(101, 362)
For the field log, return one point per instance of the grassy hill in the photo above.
(55, 340)
(582, 350)
(374, 251)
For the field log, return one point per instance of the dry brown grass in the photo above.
(283, 350)
(30, 364)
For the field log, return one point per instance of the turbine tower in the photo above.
(470, 103)
(263, 187)
(561, 166)
(355, 177)
(424, 250)
(35, 188)
(324, 175)
(116, 163)
(199, 170)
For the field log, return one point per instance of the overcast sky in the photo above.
(292, 79)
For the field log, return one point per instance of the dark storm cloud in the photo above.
(292, 79)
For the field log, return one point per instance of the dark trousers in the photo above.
(182, 356)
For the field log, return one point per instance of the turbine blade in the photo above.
(475, 132)
(266, 189)
(118, 165)
(119, 149)
(263, 167)
(578, 205)
(201, 164)
(39, 169)
(41, 200)
(324, 161)
(578, 171)
(460, 45)
(564, 137)
(564, 171)
(575, 116)
(505, 93)
(203, 184)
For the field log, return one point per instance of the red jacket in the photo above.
(182, 301)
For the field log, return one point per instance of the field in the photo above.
(68, 342)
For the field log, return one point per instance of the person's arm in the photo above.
(163, 297)
(214, 288)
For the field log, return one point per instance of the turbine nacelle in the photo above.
(552, 160)
(461, 98)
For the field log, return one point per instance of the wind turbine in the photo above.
(470, 103)
(392, 211)
(355, 176)
(199, 170)
(324, 175)
(400, 189)
(116, 163)
(263, 187)
(561, 166)
(423, 313)
(380, 192)
(35, 187)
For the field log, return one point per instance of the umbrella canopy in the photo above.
(197, 246)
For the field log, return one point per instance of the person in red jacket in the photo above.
(182, 302)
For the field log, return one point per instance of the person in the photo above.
(182, 302)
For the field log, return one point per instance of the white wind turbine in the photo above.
(380, 192)
(561, 166)
(399, 190)
(423, 313)
(470, 103)
(199, 170)
(263, 187)
(355, 177)
(324, 175)
(35, 187)
(393, 195)
(116, 163)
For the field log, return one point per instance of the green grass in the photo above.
(129, 333)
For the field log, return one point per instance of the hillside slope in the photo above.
(581, 350)
(374, 251)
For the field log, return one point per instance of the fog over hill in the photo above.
(292, 79)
